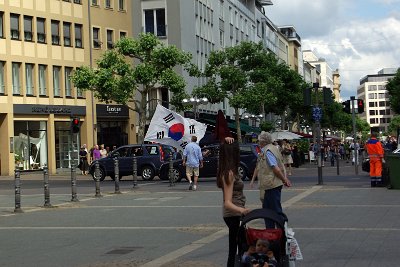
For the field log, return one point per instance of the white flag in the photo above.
(170, 128)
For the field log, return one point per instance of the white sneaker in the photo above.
(194, 187)
(190, 186)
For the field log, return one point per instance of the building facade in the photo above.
(372, 90)
(41, 43)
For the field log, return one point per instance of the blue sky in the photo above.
(357, 37)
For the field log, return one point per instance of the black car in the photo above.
(248, 160)
(149, 157)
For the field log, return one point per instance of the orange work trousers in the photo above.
(375, 167)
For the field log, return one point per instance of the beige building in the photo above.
(41, 43)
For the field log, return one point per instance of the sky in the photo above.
(358, 37)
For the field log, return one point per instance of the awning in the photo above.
(232, 125)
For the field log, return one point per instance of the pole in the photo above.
(318, 133)
(116, 176)
(134, 172)
(352, 98)
(170, 171)
(97, 178)
(337, 164)
(46, 187)
(17, 184)
(73, 182)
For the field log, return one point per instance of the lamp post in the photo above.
(195, 102)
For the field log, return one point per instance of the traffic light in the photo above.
(346, 106)
(360, 105)
(307, 96)
(75, 125)
(327, 95)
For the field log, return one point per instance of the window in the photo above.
(55, 32)
(107, 4)
(67, 33)
(28, 36)
(96, 38)
(42, 79)
(382, 112)
(29, 78)
(77, 2)
(67, 82)
(122, 35)
(372, 112)
(371, 104)
(382, 103)
(2, 82)
(121, 5)
(16, 82)
(110, 39)
(41, 33)
(78, 35)
(155, 22)
(56, 80)
(371, 87)
(221, 38)
(14, 19)
(372, 121)
(95, 2)
(1, 25)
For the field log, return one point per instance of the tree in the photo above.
(393, 88)
(240, 74)
(116, 79)
(394, 125)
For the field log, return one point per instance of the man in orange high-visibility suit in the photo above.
(375, 153)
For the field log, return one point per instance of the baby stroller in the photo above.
(280, 238)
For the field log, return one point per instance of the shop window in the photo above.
(30, 145)
(2, 82)
(42, 80)
(55, 32)
(14, 24)
(41, 30)
(78, 35)
(16, 78)
(66, 146)
(28, 35)
(29, 78)
(56, 80)
(67, 33)
(67, 82)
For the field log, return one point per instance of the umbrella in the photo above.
(349, 138)
(280, 135)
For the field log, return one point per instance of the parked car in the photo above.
(150, 157)
(248, 159)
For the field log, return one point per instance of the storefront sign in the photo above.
(49, 109)
(112, 111)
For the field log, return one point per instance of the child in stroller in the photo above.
(277, 239)
(259, 255)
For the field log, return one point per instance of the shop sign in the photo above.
(49, 109)
(112, 111)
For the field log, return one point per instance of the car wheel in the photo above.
(176, 175)
(242, 172)
(102, 174)
(147, 173)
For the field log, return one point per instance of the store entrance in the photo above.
(112, 133)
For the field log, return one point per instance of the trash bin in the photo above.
(393, 162)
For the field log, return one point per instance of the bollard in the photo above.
(97, 178)
(337, 164)
(116, 176)
(46, 187)
(17, 192)
(134, 171)
(171, 171)
(73, 183)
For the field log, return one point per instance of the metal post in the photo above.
(17, 183)
(337, 164)
(171, 171)
(97, 178)
(134, 171)
(116, 176)
(46, 187)
(318, 133)
(73, 182)
(352, 98)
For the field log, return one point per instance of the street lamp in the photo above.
(253, 118)
(195, 102)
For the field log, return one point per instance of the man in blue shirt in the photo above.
(193, 160)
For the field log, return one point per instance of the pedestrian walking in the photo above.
(83, 161)
(287, 155)
(375, 153)
(96, 153)
(193, 160)
(233, 199)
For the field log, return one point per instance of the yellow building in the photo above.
(41, 43)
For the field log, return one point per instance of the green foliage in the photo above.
(394, 125)
(267, 126)
(303, 145)
(116, 79)
(393, 88)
